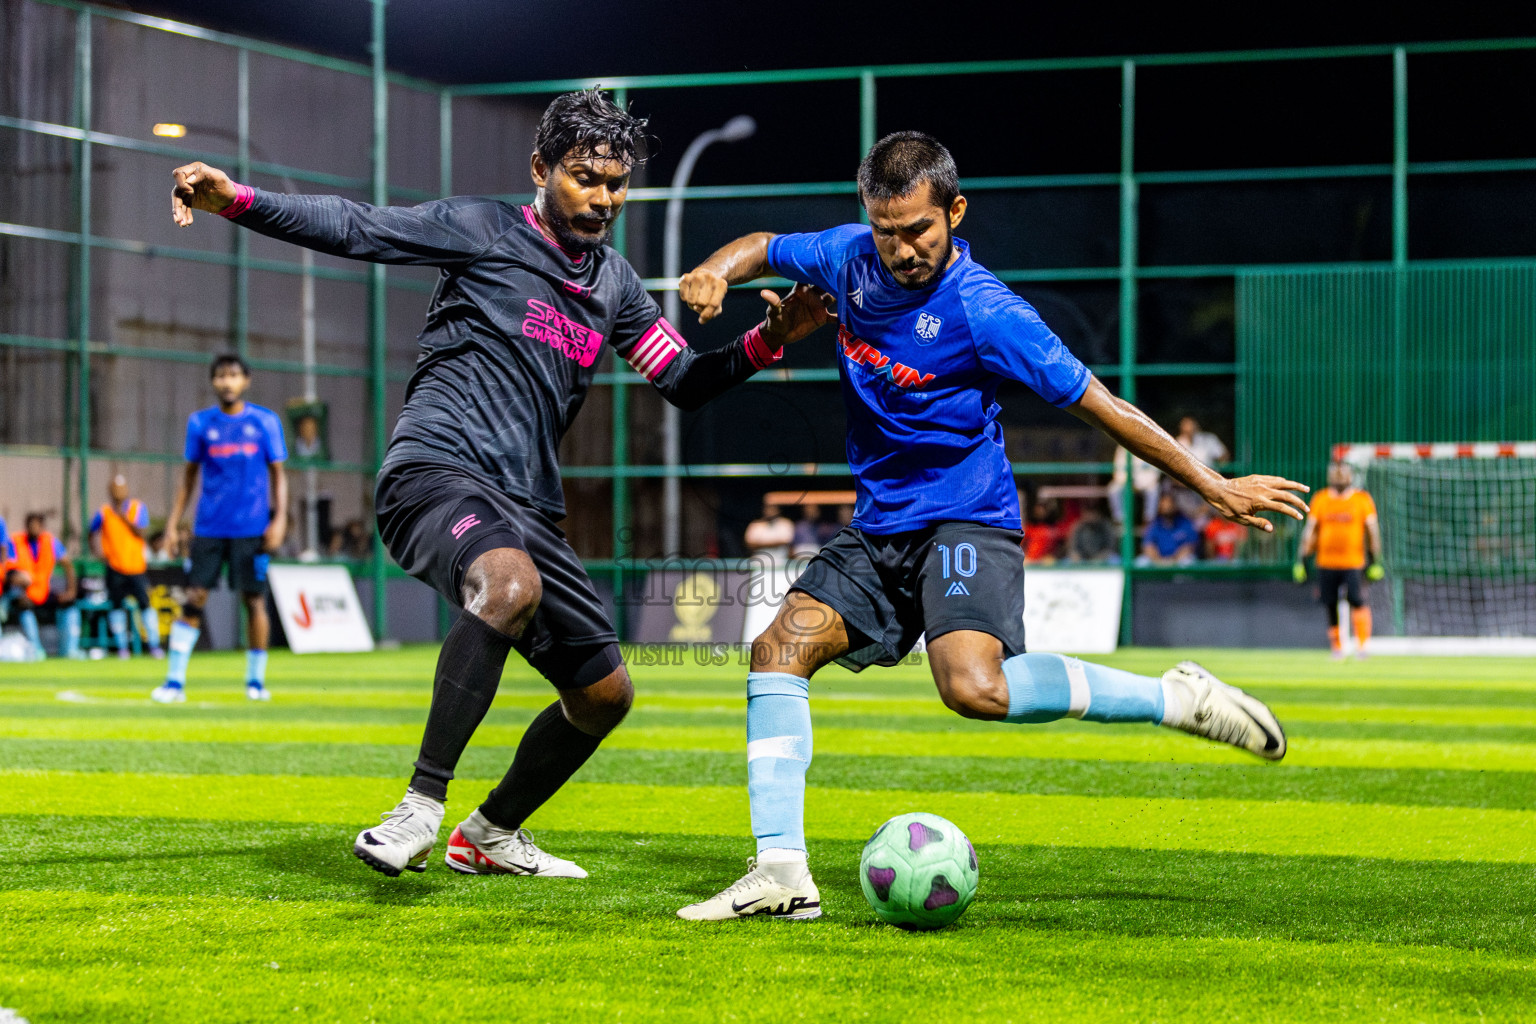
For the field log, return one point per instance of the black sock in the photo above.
(550, 753)
(468, 672)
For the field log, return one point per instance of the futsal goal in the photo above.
(1458, 526)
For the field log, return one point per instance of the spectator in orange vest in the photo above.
(117, 537)
(38, 553)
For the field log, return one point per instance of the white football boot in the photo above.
(479, 848)
(404, 839)
(782, 891)
(169, 693)
(1198, 703)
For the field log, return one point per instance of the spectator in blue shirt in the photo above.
(1171, 539)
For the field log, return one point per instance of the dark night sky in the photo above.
(491, 40)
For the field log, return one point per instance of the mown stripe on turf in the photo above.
(325, 703)
(83, 957)
(1065, 890)
(1041, 776)
(1111, 743)
(1283, 828)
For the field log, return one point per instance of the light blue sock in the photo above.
(1045, 687)
(28, 620)
(69, 630)
(778, 753)
(183, 639)
(117, 620)
(256, 666)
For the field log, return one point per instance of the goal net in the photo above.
(1458, 530)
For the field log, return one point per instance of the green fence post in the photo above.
(377, 304)
(623, 534)
(445, 144)
(242, 296)
(83, 80)
(1128, 293)
(866, 123)
(1399, 281)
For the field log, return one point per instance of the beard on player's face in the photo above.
(927, 271)
(230, 386)
(581, 201)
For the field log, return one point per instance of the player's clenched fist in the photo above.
(703, 291)
(199, 187)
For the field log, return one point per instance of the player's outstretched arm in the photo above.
(440, 233)
(693, 378)
(746, 259)
(1240, 500)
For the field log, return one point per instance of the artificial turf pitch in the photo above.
(194, 862)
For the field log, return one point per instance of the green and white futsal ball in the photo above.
(918, 871)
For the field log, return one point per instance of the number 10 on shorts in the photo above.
(964, 561)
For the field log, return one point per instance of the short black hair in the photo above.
(581, 122)
(227, 359)
(36, 517)
(900, 162)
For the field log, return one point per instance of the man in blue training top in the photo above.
(926, 336)
(1171, 539)
(237, 448)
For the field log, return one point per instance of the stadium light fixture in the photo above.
(166, 130)
(736, 129)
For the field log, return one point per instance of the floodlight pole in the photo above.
(734, 130)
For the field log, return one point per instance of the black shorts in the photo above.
(247, 564)
(1331, 581)
(891, 589)
(121, 586)
(436, 520)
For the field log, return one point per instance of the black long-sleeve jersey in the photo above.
(513, 332)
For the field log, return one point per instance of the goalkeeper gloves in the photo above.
(1375, 572)
(1299, 572)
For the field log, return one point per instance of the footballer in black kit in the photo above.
(469, 496)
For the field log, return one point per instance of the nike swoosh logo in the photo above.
(739, 907)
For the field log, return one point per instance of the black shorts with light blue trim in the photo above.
(891, 589)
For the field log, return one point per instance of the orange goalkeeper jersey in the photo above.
(1341, 528)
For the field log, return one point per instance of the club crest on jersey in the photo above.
(862, 353)
(857, 295)
(927, 327)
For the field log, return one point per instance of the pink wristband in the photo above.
(244, 195)
(758, 351)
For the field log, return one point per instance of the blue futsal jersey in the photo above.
(920, 371)
(234, 452)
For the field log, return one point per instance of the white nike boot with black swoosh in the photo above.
(479, 848)
(1196, 702)
(404, 840)
(778, 889)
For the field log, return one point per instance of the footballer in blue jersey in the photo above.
(237, 449)
(926, 337)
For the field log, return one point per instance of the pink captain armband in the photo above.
(758, 351)
(244, 195)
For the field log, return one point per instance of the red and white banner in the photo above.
(320, 609)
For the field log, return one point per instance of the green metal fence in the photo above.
(1436, 353)
(1124, 181)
